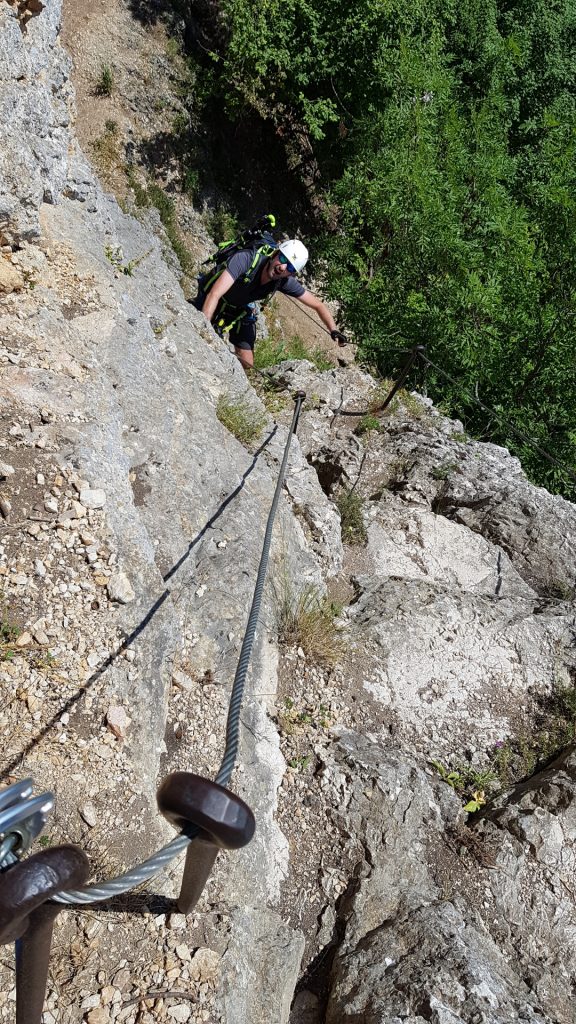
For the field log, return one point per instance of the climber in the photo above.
(249, 276)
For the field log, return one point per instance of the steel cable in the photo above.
(153, 865)
(233, 723)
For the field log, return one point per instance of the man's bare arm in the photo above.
(308, 299)
(218, 289)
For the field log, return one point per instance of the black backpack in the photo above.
(257, 238)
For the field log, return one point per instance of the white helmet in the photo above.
(295, 252)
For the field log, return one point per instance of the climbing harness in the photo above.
(33, 891)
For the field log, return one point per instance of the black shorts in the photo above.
(242, 334)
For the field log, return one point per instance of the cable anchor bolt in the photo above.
(213, 817)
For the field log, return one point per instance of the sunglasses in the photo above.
(286, 263)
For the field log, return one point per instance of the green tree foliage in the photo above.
(441, 137)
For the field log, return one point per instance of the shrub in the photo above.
(240, 418)
(273, 397)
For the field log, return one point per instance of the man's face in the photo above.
(279, 267)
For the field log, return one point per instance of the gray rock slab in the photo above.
(410, 952)
(260, 989)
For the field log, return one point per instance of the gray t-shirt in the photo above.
(239, 264)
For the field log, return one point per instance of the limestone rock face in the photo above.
(465, 621)
(433, 934)
(35, 110)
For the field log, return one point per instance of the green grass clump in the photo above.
(273, 349)
(273, 398)
(367, 423)
(240, 418)
(413, 405)
(380, 394)
(105, 83)
(306, 619)
(351, 508)
(167, 210)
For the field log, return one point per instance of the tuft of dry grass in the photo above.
(307, 619)
(350, 506)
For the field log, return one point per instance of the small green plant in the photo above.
(560, 590)
(105, 83)
(221, 224)
(191, 183)
(240, 418)
(459, 437)
(299, 764)
(116, 257)
(173, 48)
(367, 423)
(141, 197)
(470, 783)
(293, 720)
(306, 619)
(45, 841)
(351, 508)
(444, 471)
(180, 123)
(9, 633)
(167, 210)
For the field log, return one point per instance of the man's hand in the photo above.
(339, 337)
